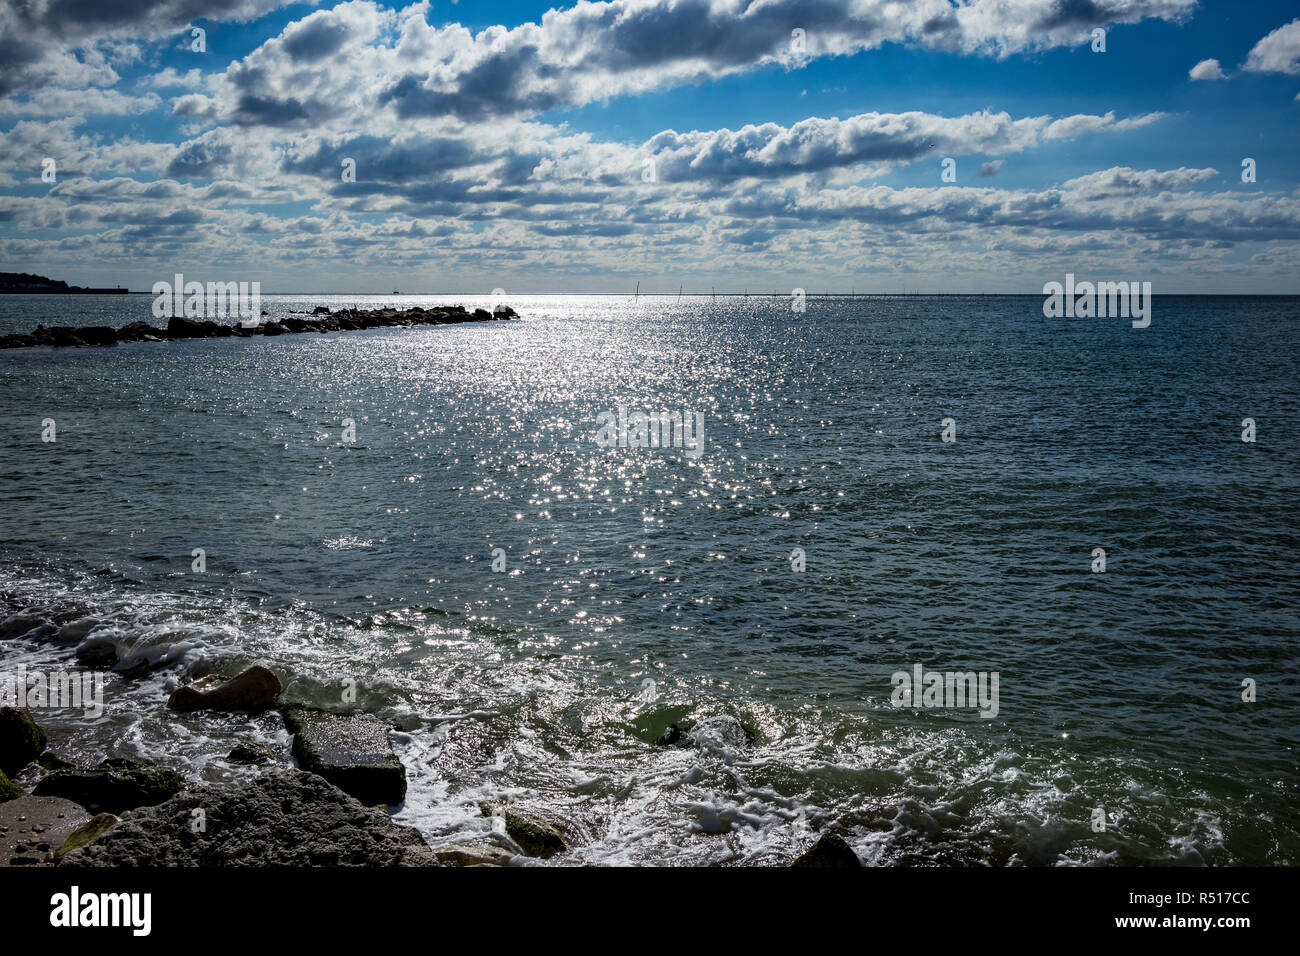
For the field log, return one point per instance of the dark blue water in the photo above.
(650, 586)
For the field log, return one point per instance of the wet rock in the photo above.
(21, 740)
(52, 761)
(321, 310)
(94, 828)
(30, 828)
(251, 754)
(670, 737)
(59, 336)
(272, 328)
(97, 655)
(97, 335)
(140, 332)
(351, 751)
(535, 836)
(181, 328)
(8, 789)
(472, 855)
(114, 786)
(286, 818)
(830, 850)
(16, 341)
(253, 691)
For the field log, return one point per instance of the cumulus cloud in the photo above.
(339, 60)
(73, 43)
(1279, 52)
(816, 144)
(1207, 70)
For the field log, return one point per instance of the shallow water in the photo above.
(650, 586)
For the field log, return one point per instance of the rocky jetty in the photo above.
(321, 320)
(286, 818)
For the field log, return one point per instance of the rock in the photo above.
(272, 328)
(97, 335)
(21, 740)
(534, 835)
(139, 332)
(52, 761)
(472, 855)
(96, 827)
(8, 789)
(97, 655)
(31, 827)
(350, 751)
(251, 753)
(180, 328)
(114, 786)
(670, 737)
(58, 336)
(830, 850)
(321, 310)
(254, 691)
(285, 818)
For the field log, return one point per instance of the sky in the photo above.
(867, 145)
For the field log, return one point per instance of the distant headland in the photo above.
(24, 283)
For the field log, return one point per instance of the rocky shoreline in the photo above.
(320, 320)
(331, 810)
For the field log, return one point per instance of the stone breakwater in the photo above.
(321, 320)
(328, 807)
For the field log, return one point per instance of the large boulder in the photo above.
(114, 786)
(32, 827)
(351, 751)
(287, 818)
(21, 740)
(254, 691)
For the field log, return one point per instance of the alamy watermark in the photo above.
(926, 689)
(54, 690)
(622, 428)
(194, 300)
(1103, 300)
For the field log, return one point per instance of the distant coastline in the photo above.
(25, 283)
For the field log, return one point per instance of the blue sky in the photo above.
(664, 142)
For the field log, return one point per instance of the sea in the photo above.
(1097, 521)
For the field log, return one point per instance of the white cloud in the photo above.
(1207, 70)
(1279, 52)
